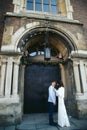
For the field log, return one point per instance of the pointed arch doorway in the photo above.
(37, 80)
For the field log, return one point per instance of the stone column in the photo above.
(69, 9)
(63, 78)
(77, 77)
(21, 85)
(15, 78)
(86, 71)
(83, 76)
(63, 74)
(3, 73)
(17, 5)
(8, 77)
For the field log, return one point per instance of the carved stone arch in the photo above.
(60, 31)
(67, 34)
(36, 26)
(22, 31)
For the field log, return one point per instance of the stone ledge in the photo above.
(44, 16)
(8, 100)
(81, 96)
(79, 54)
(11, 53)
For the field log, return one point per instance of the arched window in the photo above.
(49, 6)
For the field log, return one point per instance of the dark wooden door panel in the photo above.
(37, 80)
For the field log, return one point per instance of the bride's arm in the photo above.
(56, 91)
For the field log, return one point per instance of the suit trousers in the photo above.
(51, 112)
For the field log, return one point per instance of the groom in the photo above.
(52, 102)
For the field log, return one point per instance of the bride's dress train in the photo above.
(62, 114)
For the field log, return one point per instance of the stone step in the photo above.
(25, 127)
(42, 126)
(7, 127)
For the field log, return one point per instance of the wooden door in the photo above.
(37, 80)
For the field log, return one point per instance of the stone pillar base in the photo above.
(81, 99)
(82, 109)
(10, 112)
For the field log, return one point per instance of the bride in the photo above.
(62, 114)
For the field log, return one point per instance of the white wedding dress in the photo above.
(62, 114)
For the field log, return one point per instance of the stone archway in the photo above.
(58, 41)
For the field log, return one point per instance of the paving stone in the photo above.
(40, 122)
(10, 128)
(26, 127)
(50, 128)
(42, 125)
(1, 128)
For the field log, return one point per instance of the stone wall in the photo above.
(5, 6)
(80, 13)
(13, 24)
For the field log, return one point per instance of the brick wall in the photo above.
(5, 6)
(80, 13)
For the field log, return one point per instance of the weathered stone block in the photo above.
(10, 113)
(82, 109)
